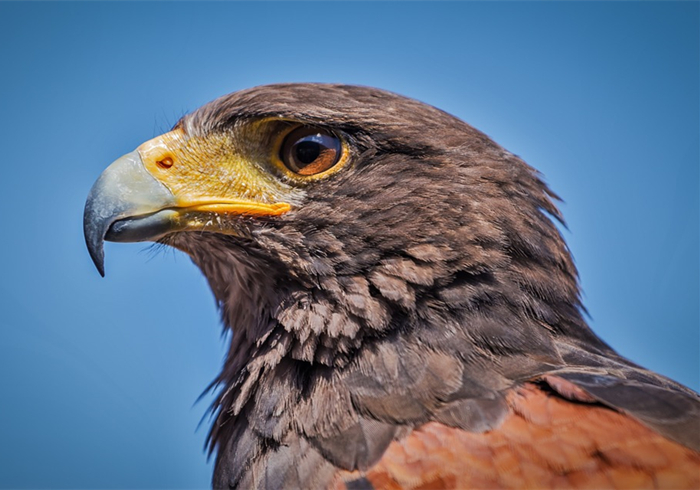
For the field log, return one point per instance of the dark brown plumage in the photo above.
(418, 294)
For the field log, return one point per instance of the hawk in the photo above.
(404, 311)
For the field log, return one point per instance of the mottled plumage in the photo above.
(420, 292)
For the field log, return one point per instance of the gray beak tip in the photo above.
(94, 239)
(99, 263)
(98, 258)
(125, 189)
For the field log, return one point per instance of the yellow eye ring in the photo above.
(309, 152)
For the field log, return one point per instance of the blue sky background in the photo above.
(99, 377)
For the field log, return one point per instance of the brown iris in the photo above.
(310, 151)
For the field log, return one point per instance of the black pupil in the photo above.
(307, 150)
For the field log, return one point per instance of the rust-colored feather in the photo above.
(545, 442)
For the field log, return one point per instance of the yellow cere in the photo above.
(221, 172)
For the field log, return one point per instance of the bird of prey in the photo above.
(404, 311)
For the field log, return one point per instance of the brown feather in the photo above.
(545, 442)
(422, 295)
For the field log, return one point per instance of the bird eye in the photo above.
(310, 151)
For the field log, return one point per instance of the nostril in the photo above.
(166, 162)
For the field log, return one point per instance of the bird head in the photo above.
(336, 212)
(381, 263)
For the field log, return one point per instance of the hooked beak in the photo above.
(166, 186)
(125, 190)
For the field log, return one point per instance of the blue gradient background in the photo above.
(99, 377)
